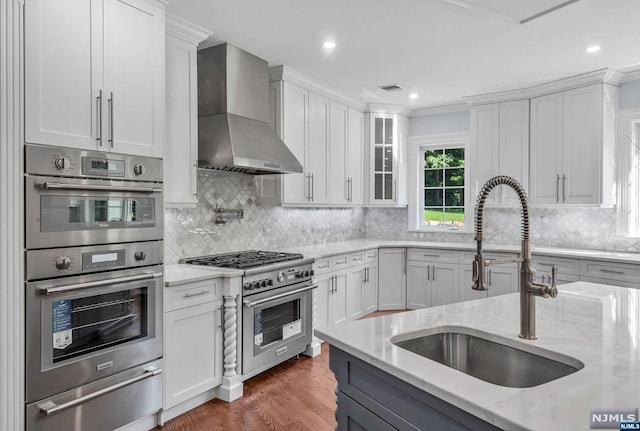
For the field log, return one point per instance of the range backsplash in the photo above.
(192, 232)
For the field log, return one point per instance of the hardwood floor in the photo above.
(297, 395)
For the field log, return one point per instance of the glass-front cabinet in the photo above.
(386, 159)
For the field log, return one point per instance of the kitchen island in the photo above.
(598, 325)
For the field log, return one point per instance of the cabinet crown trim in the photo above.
(185, 30)
(384, 108)
(285, 73)
(606, 76)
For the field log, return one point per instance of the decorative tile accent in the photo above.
(192, 232)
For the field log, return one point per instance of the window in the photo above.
(629, 175)
(443, 199)
(438, 182)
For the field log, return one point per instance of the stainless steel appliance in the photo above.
(93, 288)
(277, 300)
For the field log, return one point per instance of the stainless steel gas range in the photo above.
(276, 305)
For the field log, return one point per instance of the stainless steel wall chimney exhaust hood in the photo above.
(233, 115)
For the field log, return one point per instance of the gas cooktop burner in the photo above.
(243, 259)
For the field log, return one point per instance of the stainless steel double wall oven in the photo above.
(94, 230)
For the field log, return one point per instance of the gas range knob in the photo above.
(281, 277)
(254, 285)
(140, 255)
(263, 283)
(139, 169)
(247, 286)
(269, 282)
(306, 273)
(61, 163)
(63, 262)
(299, 274)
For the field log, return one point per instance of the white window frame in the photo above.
(628, 150)
(415, 173)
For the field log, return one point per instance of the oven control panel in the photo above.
(268, 280)
(59, 262)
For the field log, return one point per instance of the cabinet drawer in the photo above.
(339, 262)
(371, 256)
(427, 255)
(356, 258)
(321, 266)
(612, 271)
(187, 295)
(565, 265)
(467, 258)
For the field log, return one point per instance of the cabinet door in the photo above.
(295, 134)
(338, 299)
(465, 292)
(502, 279)
(546, 149)
(485, 135)
(338, 186)
(355, 286)
(181, 149)
(321, 297)
(392, 279)
(371, 290)
(444, 284)
(318, 148)
(514, 147)
(63, 72)
(193, 351)
(418, 288)
(383, 181)
(582, 140)
(134, 77)
(355, 156)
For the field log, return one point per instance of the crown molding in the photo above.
(387, 108)
(607, 76)
(633, 75)
(185, 30)
(443, 109)
(287, 74)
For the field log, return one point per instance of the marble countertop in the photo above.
(334, 248)
(596, 324)
(182, 273)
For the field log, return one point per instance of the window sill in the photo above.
(440, 230)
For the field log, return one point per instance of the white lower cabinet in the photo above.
(500, 279)
(611, 273)
(392, 279)
(370, 289)
(465, 292)
(193, 341)
(432, 277)
(338, 299)
(355, 292)
(568, 269)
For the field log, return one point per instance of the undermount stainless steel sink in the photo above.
(489, 360)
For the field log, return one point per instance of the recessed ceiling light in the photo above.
(329, 45)
(413, 95)
(593, 49)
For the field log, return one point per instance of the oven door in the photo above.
(63, 212)
(276, 327)
(81, 329)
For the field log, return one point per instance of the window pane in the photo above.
(433, 197)
(378, 186)
(388, 186)
(378, 161)
(454, 197)
(388, 159)
(454, 216)
(454, 157)
(433, 178)
(454, 177)
(388, 131)
(378, 131)
(433, 159)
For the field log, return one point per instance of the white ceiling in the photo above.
(437, 48)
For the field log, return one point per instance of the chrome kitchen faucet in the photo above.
(528, 288)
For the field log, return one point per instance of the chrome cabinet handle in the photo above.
(190, 295)
(545, 264)
(433, 271)
(611, 271)
(98, 188)
(564, 188)
(50, 408)
(221, 325)
(428, 272)
(558, 188)
(334, 283)
(435, 256)
(99, 114)
(395, 190)
(194, 180)
(110, 102)
(99, 283)
(250, 304)
(307, 193)
(542, 277)
(312, 187)
(489, 277)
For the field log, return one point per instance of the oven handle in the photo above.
(70, 287)
(51, 408)
(250, 304)
(61, 186)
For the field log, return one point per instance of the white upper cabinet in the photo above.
(499, 146)
(94, 75)
(573, 146)
(324, 134)
(181, 105)
(385, 183)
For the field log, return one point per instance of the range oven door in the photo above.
(81, 329)
(62, 212)
(276, 326)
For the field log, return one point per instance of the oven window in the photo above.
(92, 323)
(276, 323)
(71, 213)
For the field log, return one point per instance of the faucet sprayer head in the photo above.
(478, 273)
